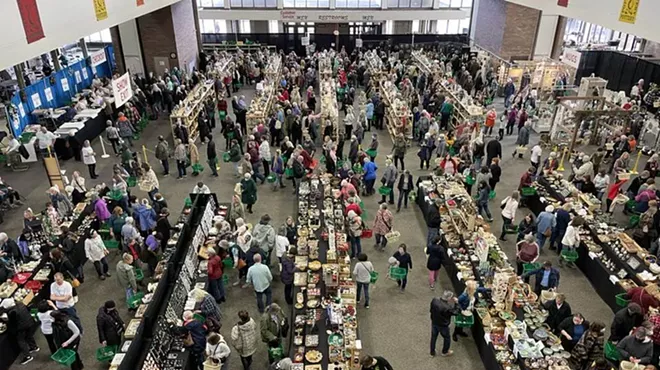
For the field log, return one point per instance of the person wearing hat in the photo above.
(545, 224)
(109, 324)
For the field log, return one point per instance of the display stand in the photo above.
(542, 74)
(329, 105)
(190, 108)
(264, 101)
(325, 327)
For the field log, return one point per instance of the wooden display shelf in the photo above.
(191, 107)
(258, 113)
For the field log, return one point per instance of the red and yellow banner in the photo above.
(629, 11)
(31, 19)
(100, 10)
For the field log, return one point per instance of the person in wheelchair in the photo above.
(9, 194)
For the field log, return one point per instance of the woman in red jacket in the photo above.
(613, 192)
(214, 268)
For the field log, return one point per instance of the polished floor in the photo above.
(397, 326)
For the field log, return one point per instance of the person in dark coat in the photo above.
(75, 252)
(9, 248)
(181, 132)
(433, 221)
(546, 277)
(163, 225)
(405, 186)
(21, 326)
(249, 191)
(442, 309)
(495, 173)
(436, 254)
(197, 331)
(286, 275)
(558, 310)
(62, 264)
(493, 150)
(109, 325)
(571, 330)
(624, 321)
(212, 155)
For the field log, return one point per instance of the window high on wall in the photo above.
(213, 26)
(210, 3)
(582, 33)
(103, 36)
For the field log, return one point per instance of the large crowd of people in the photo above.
(293, 143)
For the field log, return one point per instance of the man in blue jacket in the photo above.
(547, 277)
(545, 224)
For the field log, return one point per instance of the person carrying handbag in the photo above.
(382, 226)
(362, 275)
(217, 353)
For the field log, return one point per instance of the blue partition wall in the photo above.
(77, 76)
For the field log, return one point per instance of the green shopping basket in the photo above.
(222, 115)
(398, 273)
(228, 262)
(288, 172)
(527, 267)
(131, 182)
(199, 317)
(226, 157)
(197, 167)
(621, 300)
(611, 352)
(111, 244)
(139, 274)
(492, 194)
(464, 321)
(106, 353)
(470, 180)
(357, 168)
(374, 277)
(64, 356)
(569, 256)
(271, 178)
(528, 191)
(371, 153)
(135, 300)
(384, 190)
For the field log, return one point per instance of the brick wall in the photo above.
(117, 49)
(185, 34)
(488, 24)
(520, 31)
(157, 37)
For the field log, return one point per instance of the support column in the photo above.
(168, 38)
(197, 30)
(18, 70)
(54, 55)
(83, 46)
(559, 38)
(118, 49)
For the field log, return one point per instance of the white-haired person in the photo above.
(260, 278)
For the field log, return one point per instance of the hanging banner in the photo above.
(36, 100)
(140, 2)
(34, 31)
(571, 57)
(98, 57)
(358, 43)
(100, 9)
(563, 3)
(304, 40)
(21, 110)
(122, 89)
(49, 94)
(65, 84)
(78, 79)
(629, 11)
(84, 73)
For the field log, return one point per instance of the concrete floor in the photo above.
(385, 328)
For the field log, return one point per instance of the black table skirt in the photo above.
(69, 147)
(599, 277)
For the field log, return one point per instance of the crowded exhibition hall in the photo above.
(329, 185)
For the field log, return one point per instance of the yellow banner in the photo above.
(629, 11)
(100, 9)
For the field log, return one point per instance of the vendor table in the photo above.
(68, 146)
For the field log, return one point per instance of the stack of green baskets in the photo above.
(464, 321)
(135, 300)
(528, 191)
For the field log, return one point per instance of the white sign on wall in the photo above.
(36, 100)
(78, 79)
(85, 74)
(571, 57)
(122, 89)
(358, 43)
(65, 84)
(98, 57)
(49, 94)
(304, 40)
(21, 110)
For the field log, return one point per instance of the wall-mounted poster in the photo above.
(31, 19)
(100, 9)
(84, 73)
(78, 79)
(140, 2)
(49, 94)
(629, 11)
(36, 100)
(65, 84)
(21, 110)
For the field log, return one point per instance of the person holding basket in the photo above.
(362, 273)
(403, 264)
